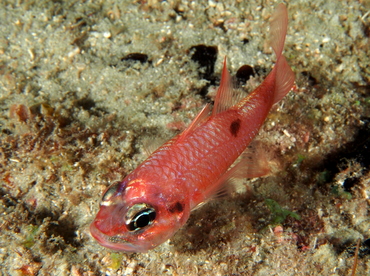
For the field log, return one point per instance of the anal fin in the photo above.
(256, 161)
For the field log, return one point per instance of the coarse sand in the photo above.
(85, 86)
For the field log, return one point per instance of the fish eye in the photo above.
(139, 216)
(106, 199)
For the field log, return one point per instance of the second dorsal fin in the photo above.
(224, 97)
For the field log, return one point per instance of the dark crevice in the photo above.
(357, 150)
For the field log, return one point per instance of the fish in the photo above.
(155, 200)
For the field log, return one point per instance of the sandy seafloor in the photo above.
(77, 111)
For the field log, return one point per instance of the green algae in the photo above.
(278, 213)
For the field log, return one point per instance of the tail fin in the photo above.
(284, 74)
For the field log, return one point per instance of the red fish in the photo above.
(155, 200)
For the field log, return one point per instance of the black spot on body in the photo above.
(235, 127)
(178, 207)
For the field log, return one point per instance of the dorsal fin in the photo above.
(150, 145)
(202, 115)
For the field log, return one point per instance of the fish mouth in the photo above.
(117, 242)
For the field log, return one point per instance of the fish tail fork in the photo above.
(284, 74)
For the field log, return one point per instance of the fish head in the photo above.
(136, 216)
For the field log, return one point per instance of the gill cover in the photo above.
(135, 216)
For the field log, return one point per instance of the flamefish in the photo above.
(155, 200)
